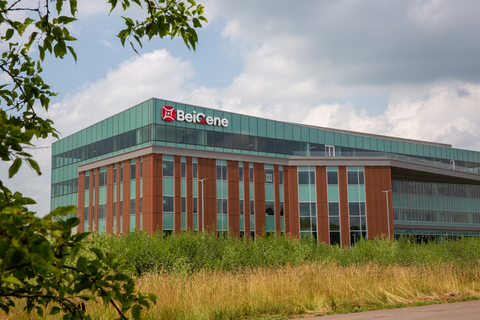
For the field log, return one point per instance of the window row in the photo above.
(437, 189)
(103, 147)
(218, 139)
(435, 217)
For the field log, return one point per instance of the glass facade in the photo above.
(222, 196)
(307, 201)
(270, 209)
(357, 213)
(423, 202)
(168, 194)
(333, 199)
(436, 203)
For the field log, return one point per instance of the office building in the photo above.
(164, 166)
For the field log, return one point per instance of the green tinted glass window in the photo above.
(262, 128)
(279, 130)
(271, 129)
(253, 126)
(288, 131)
(297, 133)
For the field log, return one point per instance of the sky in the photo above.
(402, 68)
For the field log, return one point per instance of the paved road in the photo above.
(457, 311)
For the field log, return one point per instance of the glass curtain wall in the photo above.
(168, 193)
(356, 204)
(436, 203)
(333, 206)
(269, 199)
(307, 202)
(222, 197)
(102, 200)
(133, 193)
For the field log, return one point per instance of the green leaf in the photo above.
(136, 312)
(55, 310)
(80, 236)
(14, 167)
(72, 222)
(196, 23)
(73, 7)
(34, 166)
(59, 6)
(81, 262)
(65, 19)
(12, 279)
(72, 52)
(9, 34)
(98, 253)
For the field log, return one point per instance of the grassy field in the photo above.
(202, 277)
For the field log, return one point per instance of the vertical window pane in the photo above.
(195, 170)
(332, 177)
(132, 171)
(183, 169)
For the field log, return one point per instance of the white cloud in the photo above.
(445, 116)
(106, 44)
(364, 42)
(154, 74)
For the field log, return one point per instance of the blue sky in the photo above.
(406, 68)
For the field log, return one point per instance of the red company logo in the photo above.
(168, 113)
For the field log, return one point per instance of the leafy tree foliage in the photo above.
(41, 261)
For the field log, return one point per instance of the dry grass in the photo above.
(288, 291)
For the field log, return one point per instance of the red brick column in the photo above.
(156, 186)
(177, 194)
(137, 194)
(259, 180)
(246, 198)
(207, 169)
(378, 179)
(293, 218)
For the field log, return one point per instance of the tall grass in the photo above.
(206, 277)
(309, 288)
(192, 253)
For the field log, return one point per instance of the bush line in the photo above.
(188, 252)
